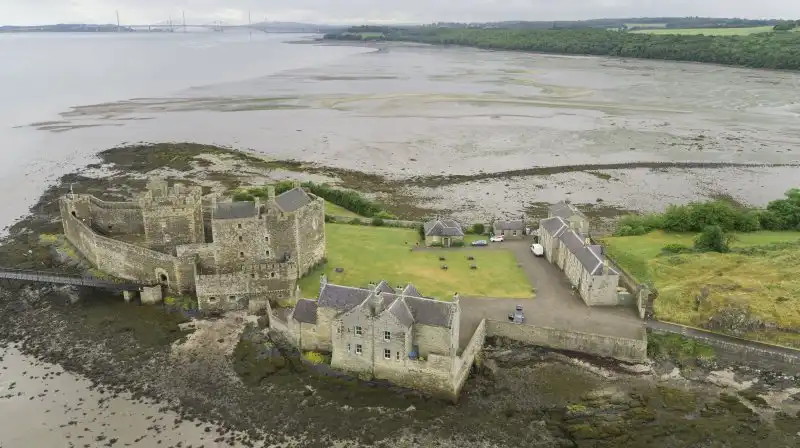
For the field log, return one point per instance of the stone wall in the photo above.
(170, 225)
(368, 221)
(464, 362)
(283, 236)
(624, 349)
(348, 341)
(600, 290)
(242, 241)
(114, 218)
(310, 235)
(126, 260)
(432, 340)
(251, 288)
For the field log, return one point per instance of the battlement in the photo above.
(160, 194)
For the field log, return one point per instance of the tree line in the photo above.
(762, 50)
(779, 214)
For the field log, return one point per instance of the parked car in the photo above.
(537, 249)
(480, 243)
(497, 238)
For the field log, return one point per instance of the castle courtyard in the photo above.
(368, 254)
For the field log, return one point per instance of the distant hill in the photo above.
(623, 23)
(294, 27)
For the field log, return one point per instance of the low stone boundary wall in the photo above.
(751, 352)
(464, 362)
(623, 349)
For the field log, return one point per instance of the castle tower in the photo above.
(172, 215)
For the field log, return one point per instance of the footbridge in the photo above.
(59, 278)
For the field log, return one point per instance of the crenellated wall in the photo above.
(125, 260)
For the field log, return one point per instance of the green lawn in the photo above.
(333, 209)
(369, 254)
(766, 283)
(709, 31)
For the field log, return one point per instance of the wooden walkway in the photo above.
(67, 279)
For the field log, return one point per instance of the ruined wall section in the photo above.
(112, 218)
(310, 234)
(126, 260)
(250, 288)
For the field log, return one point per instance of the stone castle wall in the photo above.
(251, 288)
(166, 227)
(122, 259)
(310, 235)
(113, 218)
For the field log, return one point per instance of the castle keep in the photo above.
(232, 255)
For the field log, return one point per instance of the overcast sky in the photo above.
(28, 12)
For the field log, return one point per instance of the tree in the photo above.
(712, 239)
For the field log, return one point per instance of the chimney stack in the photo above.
(270, 193)
(323, 280)
(605, 266)
(295, 184)
(587, 242)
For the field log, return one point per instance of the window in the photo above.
(241, 254)
(272, 274)
(240, 238)
(514, 233)
(397, 355)
(231, 297)
(266, 238)
(358, 349)
(387, 335)
(268, 253)
(348, 348)
(503, 232)
(212, 299)
(239, 226)
(358, 331)
(387, 354)
(252, 275)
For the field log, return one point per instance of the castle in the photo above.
(231, 255)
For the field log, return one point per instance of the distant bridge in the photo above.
(68, 279)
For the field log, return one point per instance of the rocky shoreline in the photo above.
(234, 379)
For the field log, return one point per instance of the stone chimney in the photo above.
(587, 241)
(605, 266)
(323, 280)
(295, 184)
(270, 193)
(378, 303)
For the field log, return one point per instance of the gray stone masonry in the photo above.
(258, 253)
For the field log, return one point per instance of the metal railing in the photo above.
(69, 279)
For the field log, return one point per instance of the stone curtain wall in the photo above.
(310, 235)
(116, 218)
(432, 340)
(122, 259)
(253, 287)
(464, 362)
(624, 349)
(168, 226)
(368, 221)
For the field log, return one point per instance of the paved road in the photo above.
(555, 305)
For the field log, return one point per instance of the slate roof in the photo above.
(305, 311)
(410, 290)
(510, 225)
(408, 309)
(400, 310)
(591, 257)
(429, 311)
(342, 298)
(235, 210)
(292, 200)
(564, 210)
(443, 227)
(384, 287)
(554, 226)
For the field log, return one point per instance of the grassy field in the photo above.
(709, 31)
(764, 281)
(369, 254)
(333, 209)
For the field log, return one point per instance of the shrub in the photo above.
(748, 221)
(478, 229)
(383, 214)
(347, 199)
(377, 222)
(436, 244)
(421, 231)
(457, 244)
(328, 218)
(712, 239)
(243, 196)
(314, 357)
(675, 249)
(355, 221)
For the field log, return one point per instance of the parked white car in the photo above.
(537, 249)
(497, 239)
